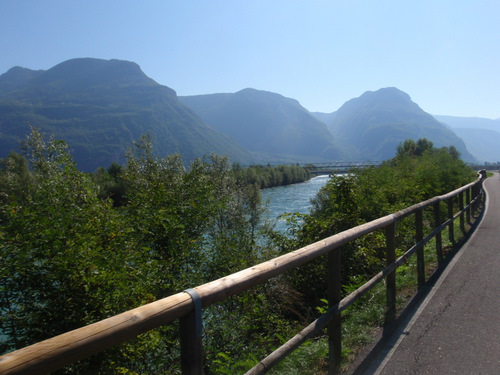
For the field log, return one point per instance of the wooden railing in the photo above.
(62, 350)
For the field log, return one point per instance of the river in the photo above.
(292, 198)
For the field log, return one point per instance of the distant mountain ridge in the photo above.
(99, 107)
(16, 77)
(456, 122)
(266, 122)
(481, 135)
(374, 124)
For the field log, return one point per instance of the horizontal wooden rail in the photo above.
(62, 350)
(322, 322)
(69, 347)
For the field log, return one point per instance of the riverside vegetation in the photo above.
(77, 247)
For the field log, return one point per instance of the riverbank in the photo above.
(271, 176)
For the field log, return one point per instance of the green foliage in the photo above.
(417, 173)
(73, 253)
(412, 148)
(76, 248)
(311, 358)
(244, 329)
(269, 176)
(111, 184)
(57, 240)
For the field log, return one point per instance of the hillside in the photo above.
(481, 135)
(457, 122)
(266, 123)
(374, 124)
(482, 143)
(99, 107)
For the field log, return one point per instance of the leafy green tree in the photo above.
(269, 176)
(232, 232)
(423, 145)
(65, 258)
(14, 176)
(170, 210)
(111, 184)
(411, 148)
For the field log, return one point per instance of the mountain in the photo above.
(16, 77)
(99, 107)
(481, 135)
(373, 125)
(456, 122)
(266, 123)
(482, 143)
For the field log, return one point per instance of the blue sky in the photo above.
(444, 54)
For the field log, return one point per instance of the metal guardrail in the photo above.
(62, 350)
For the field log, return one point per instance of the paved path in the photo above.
(456, 329)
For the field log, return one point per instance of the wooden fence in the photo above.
(62, 350)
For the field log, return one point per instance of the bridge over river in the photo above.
(455, 329)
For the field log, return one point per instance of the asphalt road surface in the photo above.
(456, 329)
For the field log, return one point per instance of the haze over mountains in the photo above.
(268, 123)
(373, 125)
(100, 106)
(481, 135)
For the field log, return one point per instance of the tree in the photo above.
(411, 148)
(72, 256)
(423, 145)
(65, 258)
(407, 148)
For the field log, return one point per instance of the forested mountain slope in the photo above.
(265, 122)
(99, 107)
(374, 124)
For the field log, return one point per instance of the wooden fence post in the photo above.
(461, 208)
(390, 315)
(467, 202)
(477, 202)
(473, 198)
(334, 297)
(191, 338)
(437, 223)
(419, 236)
(451, 229)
